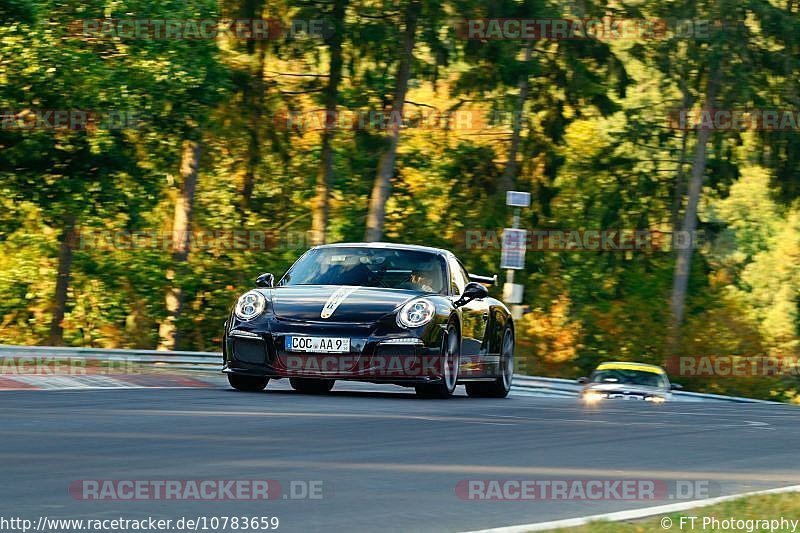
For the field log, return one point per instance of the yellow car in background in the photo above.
(627, 381)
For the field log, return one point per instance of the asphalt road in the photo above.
(385, 461)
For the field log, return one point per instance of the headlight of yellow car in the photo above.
(593, 397)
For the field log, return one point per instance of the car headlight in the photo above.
(593, 397)
(250, 305)
(416, 313)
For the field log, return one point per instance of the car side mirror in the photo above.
(583, 380)
(676, 386)
(265, 280)
(473, 291)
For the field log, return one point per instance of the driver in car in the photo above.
(419, 281)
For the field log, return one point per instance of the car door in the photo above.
(474, 318)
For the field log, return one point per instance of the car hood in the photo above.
(626, 388)
(337, 303)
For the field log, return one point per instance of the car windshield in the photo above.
(629, 377)
(370, 267)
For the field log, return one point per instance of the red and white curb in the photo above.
(93, 382)
(633, 514)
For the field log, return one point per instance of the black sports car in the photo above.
(376, 312)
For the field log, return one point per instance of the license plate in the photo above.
(296, 343)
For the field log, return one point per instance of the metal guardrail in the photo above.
(212, 362)
(192, 360)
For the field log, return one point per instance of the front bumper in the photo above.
(382, 356)
(591, 396)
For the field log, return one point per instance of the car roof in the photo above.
(624, 365)
(386, 245)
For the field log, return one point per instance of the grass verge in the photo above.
(752, 514)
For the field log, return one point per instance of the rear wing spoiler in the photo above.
(488, 280)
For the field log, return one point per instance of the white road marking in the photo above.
(520, 470)
(632, 514)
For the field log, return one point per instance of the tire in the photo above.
(311, 385)
(247, 383)
(500, 387)
(451, 360)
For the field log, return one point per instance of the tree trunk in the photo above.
(383, 184)
(677, 194)
(253, 98)
(511, 170)
(319, 216)
(68, 239)
(181, 238)
(683, 261)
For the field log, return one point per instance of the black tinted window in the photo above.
(370, 267)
